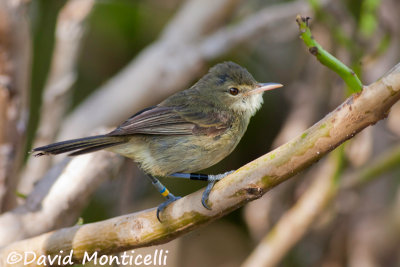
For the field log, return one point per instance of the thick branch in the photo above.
(248, 183)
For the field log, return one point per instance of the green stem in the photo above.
(389, 161)
(340, 159)
(347, 74)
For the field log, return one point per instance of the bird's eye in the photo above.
(233, 91)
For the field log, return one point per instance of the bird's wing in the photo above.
(162, 120)
(211, 122)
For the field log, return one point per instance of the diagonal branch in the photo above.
(246, 184)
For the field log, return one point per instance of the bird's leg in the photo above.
(211, 179)
(164, 192)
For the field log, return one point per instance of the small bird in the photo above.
(187, 132)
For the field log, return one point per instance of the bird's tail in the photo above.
(80, 146)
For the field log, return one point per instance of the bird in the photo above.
(189, 131)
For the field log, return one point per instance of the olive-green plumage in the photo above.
(187, 132)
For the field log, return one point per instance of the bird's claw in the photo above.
(206, 193)
(211, 183)
(170, 198)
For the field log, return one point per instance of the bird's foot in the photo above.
(212, 179)
(170, 198)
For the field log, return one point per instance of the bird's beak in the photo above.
(262, 87)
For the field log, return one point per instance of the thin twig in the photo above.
(348, 75)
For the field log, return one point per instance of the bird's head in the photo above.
(232, 87)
